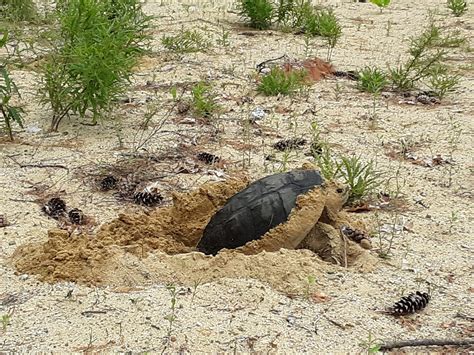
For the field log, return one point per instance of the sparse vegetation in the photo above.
(372, 79)
(382, 4)
(203, 100)
(328, 27)
(361, 178)
(258, 14)
(371, 345)
(426, 62)
(8, 90)
(188, 41)
(171, 317)
(457, 7)
(279, 82)
(5, 320)
(92, 61)
(18, 10)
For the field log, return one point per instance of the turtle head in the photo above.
(337, 195)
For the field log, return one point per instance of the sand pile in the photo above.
(158, 246)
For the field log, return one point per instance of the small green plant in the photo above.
(427, 54)
(453, 218)
(171, 317)
(203, 100)
(92, 60)
(360, 177)
(280, 82)
(457, 7)
(259, 14)
(309, 284)
(8, 89)
(381, 3)
(330, 29)
(224, 39)
(372, 79)
(18, 10)
(371, 345)
(5, 319)
(328, 165)
(441, 81)
(188, 41)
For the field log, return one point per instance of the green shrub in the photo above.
(100, 42)
(204, 100)
(361, 178)
(18, 10)
(186, 42)
(372, 79)
(259, 14)
(427, 56)
(457, 7)
(280, 82)
(8, 88)
(381, 3)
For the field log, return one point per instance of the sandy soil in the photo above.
(235, 302)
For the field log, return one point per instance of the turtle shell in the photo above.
(252, 212)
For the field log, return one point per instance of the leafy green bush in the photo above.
(280, 82)
(259, 14)
(372, 79)
(427, 56)
(204, 100)
(99, 43)
(457, 7)
(361, 178)
(18, 10)
(7, 90)
(381, 3)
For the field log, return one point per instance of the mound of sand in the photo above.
(137, 249)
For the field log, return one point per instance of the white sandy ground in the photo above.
(242, 315)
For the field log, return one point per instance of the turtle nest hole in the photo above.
(127, 251)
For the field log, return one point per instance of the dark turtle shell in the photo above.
(252, 212)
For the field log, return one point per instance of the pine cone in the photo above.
(410, 304)
(208, 158)
(76, 216)
(54, 208)
(148, 197)
(126, 187)
(293, 143)
(108, 183)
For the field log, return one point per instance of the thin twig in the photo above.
(84, 313)
(426, 342)
(40, 165)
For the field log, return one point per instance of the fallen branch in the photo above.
(426, 342)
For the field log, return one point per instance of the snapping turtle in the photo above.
(265, 204)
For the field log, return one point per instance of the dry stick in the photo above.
(40, 165)
(426, 342)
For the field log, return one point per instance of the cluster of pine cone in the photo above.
(127, 188)
(56, 208)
